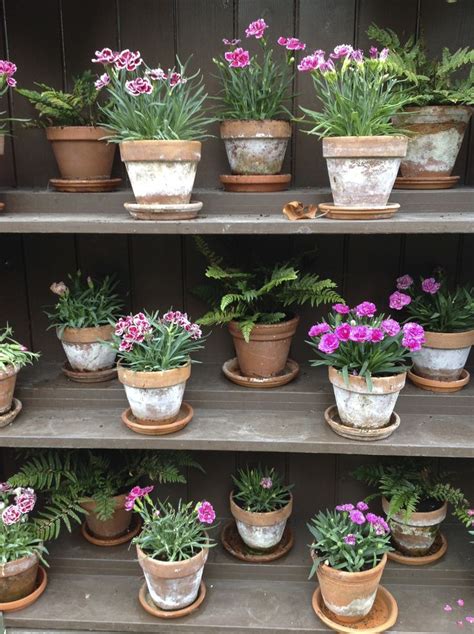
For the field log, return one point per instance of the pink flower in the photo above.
(139, 86)
(384, 54)
(136, 493)
(404, 282)
(398, 301)
(376, 335)
(470, 511)
(373, 52)
(157, 74)
(104, 80)
(309, 63)
(343, 332)
(11, 82)
(342, 309)
(326, 66)
(358, 55)
(291, 43)
(319, 329)
(128, 60)
(58, 288)
(206, 513)
(345, 508)
(7, 68)
(412, 344)
(230, 42)
(362, 506)
(256, 29)
(5, 487)
(359, 334)
(350, 539)
(105, 56)
(430, 285)
(390, 327)
(460, 602)
(238, 58)
(176, 79)
(366, 309)
(266, 483)
(11, 515)
(357, 517)
(470, 619)
(415, 331)
(26, 501)
(328, 343)
(447, 608)
(343, 50)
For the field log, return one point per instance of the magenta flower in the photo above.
(384, 53)
(11, 515)
(230, 42)
(266, 483)
(128, 60)
(357, 517)
(291, 43)
(362, 506)
(345, 507)
(404, 282)
(326, 66)
(366, 309)
(376, 335)
(205, 511)
(157, 74)
(310, 63)
(238, 58)
(8, 69)
(350, 539)
(105, 56)
(26, 500)
(318, 329)
(358, 55)
(373, 52)
(413, 336)
(460, 602)
(342, 309)
(390, 327)
(11, 82)
(5, 487)
(343, 50)
(470, 619)
(359, 334)
(430, 285)
(136, 493)
(343, 332)
(447, 608)
(398, 301)
(139, 86)
(176, 79)
(328, 343)
(470, 511)
(102, 82)
(256, 29)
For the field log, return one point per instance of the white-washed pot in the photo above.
(84, 348)
(443, 356)
(363, 408)
(261, 531)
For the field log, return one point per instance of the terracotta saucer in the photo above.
(9, 417)
(184, 417)
(134, 529)
(85, 185)
(382, 616)
(155, 211)
(20, 604)
(429, 182)
(232, 372)
(81, 376)
(234, 545)
(354, 433)
(443, 387)
(255, 182)
(437, 550)
(330, 210)
(147, 604)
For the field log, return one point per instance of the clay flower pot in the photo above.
(358, 406)
(436, 134)
(155, 397)
(173, 585)
(7, 388)
(362, 170)
(266, 353)
(161, 171)
(80, 153)
(85, 349)
(261, 531)
(255, 147)
(117, 525)
(350, 595)
(18, 578)
(443, 355)
(416, 535)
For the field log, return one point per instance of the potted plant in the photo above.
(415, 499)
(448, 318)
(154, 365)
(368, 356)
(13, 357)
(7, 70)
(349, 550)
(363, 148)
(255, 306)
(158, 118)
(437, 121)
(261, 505)
(255, 127)
(73, 125)
(83, 318)
(172, 547)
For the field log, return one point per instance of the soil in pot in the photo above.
(85, 350)
(7, 389)
(115, 526)
(18, 578)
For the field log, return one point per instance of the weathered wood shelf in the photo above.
(43, 211)
(59, 413)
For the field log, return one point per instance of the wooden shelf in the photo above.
(42, 211)
(59, 413)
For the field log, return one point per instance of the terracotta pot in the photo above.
(18, 578)
(7, 388)
(79, 152)
(362, 170)
(155, 397)
(255, 147)
(261, 531)
(444, 355)
(435, 140)
(350, 595)
(173, 585)
(416, 535)
(117, 525)
(267, 351)
(358, 406)
(161, 171)
(84, 348)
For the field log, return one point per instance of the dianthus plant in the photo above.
(434, 305)
(350, 538)
(12, 353)
(359, 342)
(168, 533)
(357, 94)
(253, 86)
(148, 103)
(147, 343)
(260, 490)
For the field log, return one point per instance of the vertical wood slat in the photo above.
(14, 307)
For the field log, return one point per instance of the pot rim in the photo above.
(163, 378)
(157, 150)
(342, 147)
(11, 371)
(174, 569)
(269, 518)
(252, 128)
(336, 378)
(33, 559)
(449, 340)
(429, 518)
(354, 577)
(92, 334)
(262, 331)
(120, 497)
(71, 133)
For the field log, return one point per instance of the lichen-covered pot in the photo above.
(255, 147)
(115, 526)
(443, 355)
(415, 536)
(155, 397)
(85, 349)
(362, 170)
(7, 388)
(173, 585)
(436, 135)
(261, 531)
(161, 171)
(360, 407)
(266, 353)
(18, 578)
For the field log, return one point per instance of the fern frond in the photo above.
(309, 289)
